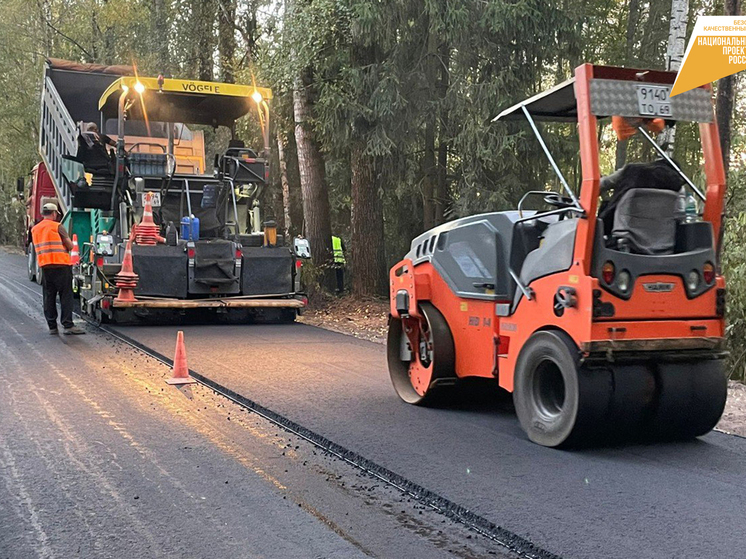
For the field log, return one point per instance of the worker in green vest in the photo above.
(339, 262)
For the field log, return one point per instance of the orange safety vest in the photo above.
(48, 244)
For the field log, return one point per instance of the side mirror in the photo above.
(104, 245)
(20, 185)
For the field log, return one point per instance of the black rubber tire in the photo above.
(559, 403)
(691, 399)
(33, 270)
(444, 358)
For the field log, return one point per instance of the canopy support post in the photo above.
(550, 158)
(670, 161)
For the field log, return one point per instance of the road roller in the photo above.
(601, 308)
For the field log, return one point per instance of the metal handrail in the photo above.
(232, 186)
(571, 209)
(526, 195)
(58, 138)
(524, 288)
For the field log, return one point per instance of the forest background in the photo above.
(382, 109)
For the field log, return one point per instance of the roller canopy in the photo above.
(557, 104)
(186, 101)
(618, 91)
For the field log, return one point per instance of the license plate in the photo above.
(654, 100)
(155, 199)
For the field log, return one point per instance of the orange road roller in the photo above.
(603, 311)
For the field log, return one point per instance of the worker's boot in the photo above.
(73, 330)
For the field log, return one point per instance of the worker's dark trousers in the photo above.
(340, 273)
(58, 280)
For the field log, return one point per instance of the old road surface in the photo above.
(98, 457)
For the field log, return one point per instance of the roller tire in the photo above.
(558, 402)
(442, 371)
(691, 399)
(32, 265)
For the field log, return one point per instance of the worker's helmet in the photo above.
(49, 207)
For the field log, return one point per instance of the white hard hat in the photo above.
(50, 207)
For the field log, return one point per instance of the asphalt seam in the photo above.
(502, 536)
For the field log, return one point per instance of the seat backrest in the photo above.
(645, 221)
(527, 237)
(92, 154)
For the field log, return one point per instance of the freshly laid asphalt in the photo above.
(682, 500)
(664, 500)
(88, 468)
(100, 458)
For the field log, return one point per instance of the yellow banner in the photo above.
(717, 48)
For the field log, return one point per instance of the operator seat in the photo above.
(658, 175)
(93, 155)
(640, 214)
(645, 221)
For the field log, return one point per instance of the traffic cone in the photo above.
(126, 279)
(74, 253)
(180, 369)
(147, 230)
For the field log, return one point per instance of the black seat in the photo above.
(658, 175)
(92, 154)
(645, 221)
(241, 165)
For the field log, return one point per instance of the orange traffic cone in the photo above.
(126, 279)
(147, 230)
(181, 370)
(75, 253)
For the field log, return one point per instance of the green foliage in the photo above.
(12, 212)
(734, 268)
(404, 77)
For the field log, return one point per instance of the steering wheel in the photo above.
(557, 201)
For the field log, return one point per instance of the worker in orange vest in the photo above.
(53, 245)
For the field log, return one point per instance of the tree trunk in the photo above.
(314, 191)
(366, 219)
(285, 185)
(368, 262)
(428, 160)
(441, 194)
(725, 98)
(675, 56)
(203, 13)
(160, 36)
(428, 175)
(227, 39)
(633, 19)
